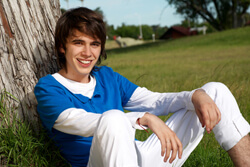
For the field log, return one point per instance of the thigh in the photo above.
(113, 142)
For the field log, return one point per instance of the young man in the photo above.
(82, 106)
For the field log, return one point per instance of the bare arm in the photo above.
(206, 109)
(169, 140)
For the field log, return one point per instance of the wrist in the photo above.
(196, 94)
(143, 120)
(138, 122)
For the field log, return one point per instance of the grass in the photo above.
(186, 64)
(20, 146)
(170, 66)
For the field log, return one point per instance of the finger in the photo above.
(216, 115)
(168, 150)
(200, 118)
(174, 151)
(206, 119)
(180, 148)
(213, 117)
(163, 147)
(219, 114)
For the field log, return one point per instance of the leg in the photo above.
(113, 143)
(233, 127)
(240, 153)
(187, 127)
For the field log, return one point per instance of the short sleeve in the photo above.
(126, 88)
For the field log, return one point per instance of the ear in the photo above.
(62, 50)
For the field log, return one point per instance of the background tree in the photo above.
(99, 10)
(159, 31)
(133, 31)
(63, 10)
(111, 31)
(26, 49)
(221, 14)
(193, 23)
(128, 31)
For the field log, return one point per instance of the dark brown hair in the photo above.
(83, 20)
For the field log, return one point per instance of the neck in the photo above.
(80, 78)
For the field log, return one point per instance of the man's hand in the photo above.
(169, 140)
(207, 111)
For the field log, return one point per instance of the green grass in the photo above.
(186, 64)
(20, 146)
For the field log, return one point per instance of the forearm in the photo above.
(77, 122)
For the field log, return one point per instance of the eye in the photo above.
(96, 44)
(78, 43)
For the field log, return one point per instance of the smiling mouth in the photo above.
(84, 61)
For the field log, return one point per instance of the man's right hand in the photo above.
(169, 140)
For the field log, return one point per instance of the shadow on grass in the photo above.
(111, 52)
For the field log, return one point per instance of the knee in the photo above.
(112, 117)
(216, 90)
(112, 122)
(214, 86)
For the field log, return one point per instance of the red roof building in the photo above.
(247, 23)
(178, 32)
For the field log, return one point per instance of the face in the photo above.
(82, 53)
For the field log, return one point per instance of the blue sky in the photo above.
(131, 12)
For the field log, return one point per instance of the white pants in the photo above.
(114, 145)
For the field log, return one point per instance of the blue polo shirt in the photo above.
(112, 91)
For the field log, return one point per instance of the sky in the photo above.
(131, 12)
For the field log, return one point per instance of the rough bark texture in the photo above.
(26, 49)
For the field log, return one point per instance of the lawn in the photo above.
(186, 64)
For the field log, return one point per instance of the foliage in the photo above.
(133, 31)
(189, 24)
(99, 11)
(63, 10)
(128, 31)
(110, 31)
(19, 145)
(159, 31)
(221, 14)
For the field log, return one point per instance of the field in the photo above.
(186, 64)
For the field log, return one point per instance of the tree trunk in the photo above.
(234, 13)
(26, 50)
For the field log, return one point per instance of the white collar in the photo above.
(86, 89)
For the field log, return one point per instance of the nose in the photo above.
(86, 51)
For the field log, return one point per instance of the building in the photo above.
(178, 32)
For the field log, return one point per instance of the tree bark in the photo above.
(26, 50)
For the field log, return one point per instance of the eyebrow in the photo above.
(97, 42)
(77, 40)
(80, 40)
